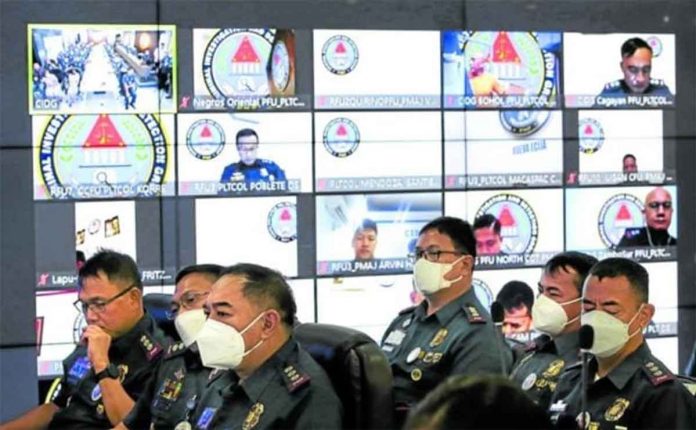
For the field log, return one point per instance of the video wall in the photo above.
(284, 147)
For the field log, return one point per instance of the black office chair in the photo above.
(358, 369)
(158, 305)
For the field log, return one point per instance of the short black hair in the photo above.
(366, 224)
(245, 132)
(456, 229)
(516, 294)
(211, 270)
(487, 221)
(477, 402)
(629, 156)
(616, 267)
(630, 46)
(115, 265)
(266, 286)
(580, 262)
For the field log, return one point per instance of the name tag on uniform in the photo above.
(205, 418)
(395, 338)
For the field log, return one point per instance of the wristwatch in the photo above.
(111, 371)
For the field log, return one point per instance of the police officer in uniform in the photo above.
(636, 65)
(277, 384)
(556, 314)
(658, 217)
(449, 332)
(172, 394)
(249, 168)
(119, 352)
(627, 386)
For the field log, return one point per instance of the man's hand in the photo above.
(98, 343)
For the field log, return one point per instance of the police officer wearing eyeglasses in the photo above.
(173, 394)
(449, 332)
(119, 352)
(658, 217)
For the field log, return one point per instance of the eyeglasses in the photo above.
(187, 301)
(666, 205)
(432, 255)
(98, 306)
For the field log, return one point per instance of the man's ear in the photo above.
(271, 321)
(647, 313)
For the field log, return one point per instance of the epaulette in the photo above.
(150, 347)
(657, 82)
(473, 314)
(656, 373)
(407, 310)
(294, 377)
(613, 85)
(175, 349)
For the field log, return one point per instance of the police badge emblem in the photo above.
(340, 55)
(341, 137)
(282, 222)
(616, 410)
(618, 213)
(252, 419)
(205, 139)
(519, 228)
(590, 135)
(523, 122)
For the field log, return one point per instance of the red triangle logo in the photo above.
(503, 49)
(505, 217)
(246, 53)
(206, 132)
(623, 214)
(104, 135)
(340, 48)
(285, 215)
(588, 129)
(341, 131)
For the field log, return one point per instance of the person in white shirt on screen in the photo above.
(365, 240)
(658, 217)
(487, 234)
(636, 65)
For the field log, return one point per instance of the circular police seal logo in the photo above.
(86, 156)
(205, 139)
(96, 393)
(590, 135)
(483, 292)
(282, 222)
(515, 59)
(518, 222)
(79, 326)
(655, 44)
(234, 62)
(523, 122)
(341, 137)
(280, 69)
(618, 213)
(340, 55)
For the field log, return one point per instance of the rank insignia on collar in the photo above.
(616, 410)
(473, 314)
(439, 337)
(252, 419)
(656, 374)
(293, 378)
(554, 368)
(150, 347)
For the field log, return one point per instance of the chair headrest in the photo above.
(158, 305)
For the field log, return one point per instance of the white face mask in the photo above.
(221, 346)
(188, 324)
(610, 333)
(549, 317)
(429, 276)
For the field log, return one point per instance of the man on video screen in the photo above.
(658, 217)
(365, 240)
(636, 65)
(487, 234)
(249, 168)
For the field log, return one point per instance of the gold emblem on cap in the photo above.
(253, 417)
(616, 410)
(416, 374)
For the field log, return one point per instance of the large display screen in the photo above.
(322, 153)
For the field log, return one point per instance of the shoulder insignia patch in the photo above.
(175, 349)
(473, 315)
(656, 373)
(150, 347)
(294, 378)
(612, 85)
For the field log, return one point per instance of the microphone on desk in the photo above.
(586, 340)
(498, 316)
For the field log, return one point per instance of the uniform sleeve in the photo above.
(227, 174)
(278, 173)
(60, 399)
(670, 408)
(321, 409)
(481, 352)
(140, 416)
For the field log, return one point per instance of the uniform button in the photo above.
(416, 374)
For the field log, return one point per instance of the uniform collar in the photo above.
(126, 342)
(621, 374)
(255, 384)
(450, 310)
(567, 343)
